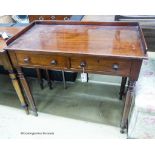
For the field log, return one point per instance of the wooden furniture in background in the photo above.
(49, 17)
(110, 48)
(5, 62)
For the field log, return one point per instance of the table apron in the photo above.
(90, 64)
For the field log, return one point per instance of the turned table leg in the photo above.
(63, 78)
(39, 78)
(122, 88)
(127, 105)
(27, 91)
(18, 90)
(48, 79)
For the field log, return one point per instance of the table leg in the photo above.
(48, 79)
(18, 90)
(87, 77)
(27, 91)
(39, 78)
(122, 88)
(127, 105)
(63, 78)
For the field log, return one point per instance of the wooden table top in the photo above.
(11, 31)
(90, 38)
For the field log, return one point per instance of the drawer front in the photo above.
(111, 66)
(49, 17)
(52, 61)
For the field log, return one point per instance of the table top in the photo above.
(11, 31)
(90, 38)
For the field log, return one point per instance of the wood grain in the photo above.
(42, 60)
(89, 38)
(102, 64)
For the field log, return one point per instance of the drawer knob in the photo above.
(53, 62)
(83, 64)
(26, 60)
(115, 67)
(52, 17)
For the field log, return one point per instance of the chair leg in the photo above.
(122, 88)
(48, 79)
(39, 76)
(64, 80)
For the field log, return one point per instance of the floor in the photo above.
(83, 110)
(17, 125)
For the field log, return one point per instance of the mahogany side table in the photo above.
(112, 48)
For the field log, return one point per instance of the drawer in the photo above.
(52, 61)
(106, 65)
